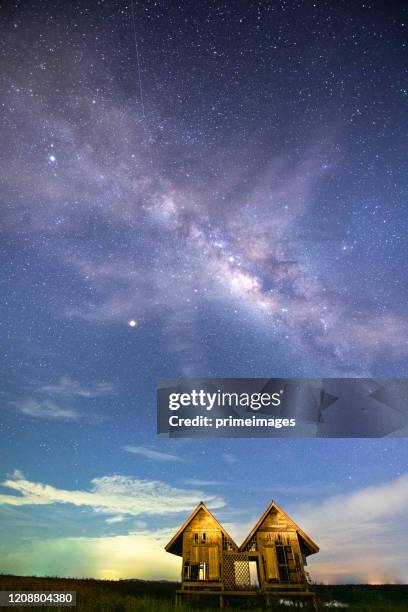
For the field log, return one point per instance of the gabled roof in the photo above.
(175, 546)
(308, 542)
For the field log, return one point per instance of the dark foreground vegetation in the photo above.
(145, 596)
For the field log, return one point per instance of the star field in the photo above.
(248, 220)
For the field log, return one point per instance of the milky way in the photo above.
(157, 216)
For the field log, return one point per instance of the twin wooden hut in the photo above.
(270, 562)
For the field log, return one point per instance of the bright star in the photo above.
(132, 323)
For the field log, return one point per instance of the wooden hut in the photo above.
(270, 562)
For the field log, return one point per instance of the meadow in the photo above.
(155, 596)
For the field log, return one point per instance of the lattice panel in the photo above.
(236, 571)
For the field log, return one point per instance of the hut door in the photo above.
(253, 572)
(214, 571)
(271, 565)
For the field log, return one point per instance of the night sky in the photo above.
(232, 204)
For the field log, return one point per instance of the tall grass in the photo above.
(145, 596)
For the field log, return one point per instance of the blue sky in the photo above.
(251, 219)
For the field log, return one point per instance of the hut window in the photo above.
(187, 573)
(286, 563)
(251, 546)
(200, 537)
(226, 543)
(198, 571)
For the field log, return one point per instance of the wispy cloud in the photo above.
(45, 409)
(137, 555)
(17, 475)
(198, 482)
(69, 388)
(117, 495)
(363, 536)
(151, 453)
(58, 400)
(229, 458)
(112, 520)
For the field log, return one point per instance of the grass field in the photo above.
(143, 596)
